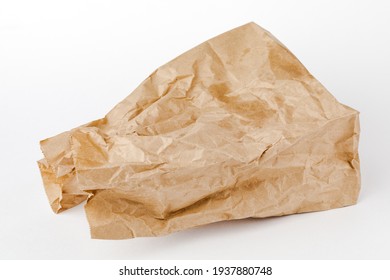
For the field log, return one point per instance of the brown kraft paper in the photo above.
(234, 128)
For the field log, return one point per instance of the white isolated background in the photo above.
(64, 63)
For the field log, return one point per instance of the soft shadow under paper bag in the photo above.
(234, 128)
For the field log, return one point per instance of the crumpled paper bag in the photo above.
(234, 128)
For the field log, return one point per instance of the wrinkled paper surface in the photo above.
(234, 128)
